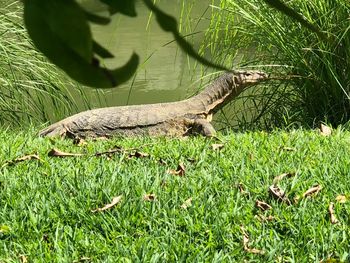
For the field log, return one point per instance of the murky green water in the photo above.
(165, 72)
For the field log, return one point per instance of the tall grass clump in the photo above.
(314, 71)
(31, 89)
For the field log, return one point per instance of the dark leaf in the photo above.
(124, 73)
(65, 21)
(101, 51)
(65, 38)
(279, 5)
(125, 7)
(100, 20)
(169, 24)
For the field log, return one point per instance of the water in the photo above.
(165, 72)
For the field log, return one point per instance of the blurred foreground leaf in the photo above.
(169, 24)
(125, 7)
(279, 5)
(60, 29)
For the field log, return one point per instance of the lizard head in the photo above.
(249, 77)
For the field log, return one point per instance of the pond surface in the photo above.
(165, 72)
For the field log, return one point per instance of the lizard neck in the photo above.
(217, 94)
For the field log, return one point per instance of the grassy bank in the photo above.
(199, 213)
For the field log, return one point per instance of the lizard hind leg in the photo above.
(56, 129)
(205, 127)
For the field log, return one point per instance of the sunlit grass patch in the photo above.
(50, 207)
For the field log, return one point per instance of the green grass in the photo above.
(45, 206)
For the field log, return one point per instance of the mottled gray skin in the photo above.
(180, 118)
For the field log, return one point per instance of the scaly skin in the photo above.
(170, 119)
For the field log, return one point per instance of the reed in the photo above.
(32, 90)
(314, 72)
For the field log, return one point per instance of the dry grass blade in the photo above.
(263, 218)
(279, 194)
(4, 229)
(217, 146)
(27, 157)
(331, 260)
(57, 153)
(150, 197)
(287, 149)
(163, 183)
(132, 153)
(187, 203)
(241, 189)
(245, 237)
(114, 202)
(254, 251)
(83, 259)
(161, 161)
(79, 141)
(312, 191)
(22, 159)
(246, 243)
(180, 171)
(341, 199)
(325, 130)
(281, 176)
(23, 259)
(262, 205)
(138, 155)
(116, 149)
(333, 218)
